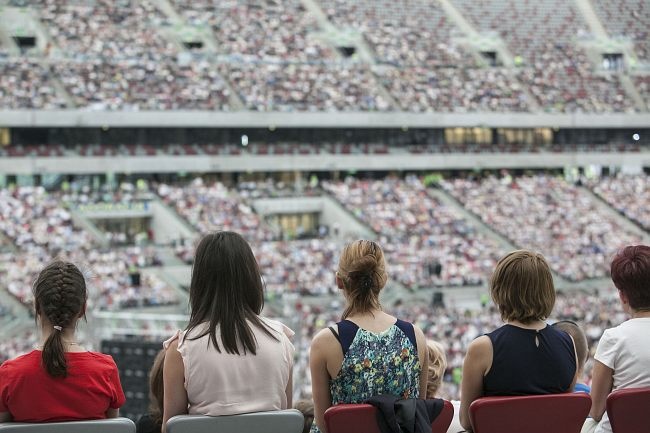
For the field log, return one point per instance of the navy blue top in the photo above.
(348, 330)
(522, 367)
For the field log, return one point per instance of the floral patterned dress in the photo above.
(375, 363)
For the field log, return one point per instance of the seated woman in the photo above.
(622, 359)
(525, 356)
(229, 359)
(61, 381)
(369, 352)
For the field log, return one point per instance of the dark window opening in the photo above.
(193, 45)
(347, 51)
(25, 42)
(490, 57)
(613, 61)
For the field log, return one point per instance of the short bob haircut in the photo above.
(630, 271)
(522, 287)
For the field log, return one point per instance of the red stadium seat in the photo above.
(557, 413)
(362, 418)
(627, 410)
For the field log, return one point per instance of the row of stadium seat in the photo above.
(558, 413)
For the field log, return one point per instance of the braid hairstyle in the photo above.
(60, 296)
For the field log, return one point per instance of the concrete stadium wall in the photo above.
(283, 163)
(213, 119)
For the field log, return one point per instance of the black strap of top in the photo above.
(347, 332)
(407, 328)
(336, 334)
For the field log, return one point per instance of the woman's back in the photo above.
(376, 363)
(221, 383)
(30, 394)
(529, 361)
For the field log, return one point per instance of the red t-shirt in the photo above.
(29, 394)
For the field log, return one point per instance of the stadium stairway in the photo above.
(337, 37)
(181, 31)
(626, 223)
(588, 12)
(631, 90)
(499, 47)
(483, 228)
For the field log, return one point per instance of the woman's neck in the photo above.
(640, 314)
(69, 341)
(535, 324)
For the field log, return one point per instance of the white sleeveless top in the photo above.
(228, 384)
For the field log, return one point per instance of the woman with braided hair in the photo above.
(60, 381)
(369, 352)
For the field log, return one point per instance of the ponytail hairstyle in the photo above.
(60, 296)
(362, 270)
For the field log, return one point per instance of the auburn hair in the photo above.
(630, 270)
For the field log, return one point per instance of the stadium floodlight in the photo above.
(636, 137)
(244, 140)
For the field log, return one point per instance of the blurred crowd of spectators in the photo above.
(546, 214)
(629, 19)
(543, 38)
(277, 31)
(426, 242)
(301, 87)
(42, 229)
(628, 194)
(278, 56)
(295, 148)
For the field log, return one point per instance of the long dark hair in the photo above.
(60, 296)
(227, 291)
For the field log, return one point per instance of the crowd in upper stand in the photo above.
(629, 195)
(427, 243)
(303, 87)
(280, 56)
(629, 19)
(549, 214)
(295, 148)
(553, 67)
(42, 228)
(271, 31)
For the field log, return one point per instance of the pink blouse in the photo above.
(228, 384)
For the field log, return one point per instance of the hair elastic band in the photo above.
(58, 328)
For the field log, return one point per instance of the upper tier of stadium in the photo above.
(415, 56)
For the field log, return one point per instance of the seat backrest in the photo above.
(557, 413)
(280, 421)
(362, 418)
(627, 410)
(111, 425)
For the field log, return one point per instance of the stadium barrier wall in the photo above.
(320, 162)
(253, 119)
